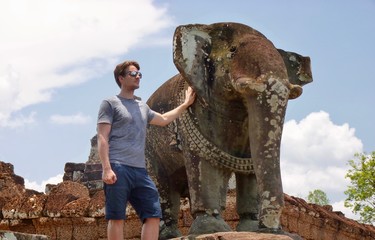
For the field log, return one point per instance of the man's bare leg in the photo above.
(115, 230)
(150, 229)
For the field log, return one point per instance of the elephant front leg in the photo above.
(266, 118)
(271, 195)
(208, 189)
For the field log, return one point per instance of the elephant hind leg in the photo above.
(170, 195)
(247, 203)
(169, 224)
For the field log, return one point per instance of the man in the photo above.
(121, 131)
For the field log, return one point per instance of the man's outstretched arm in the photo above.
(165, 118)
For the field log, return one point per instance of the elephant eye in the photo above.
(232, 51)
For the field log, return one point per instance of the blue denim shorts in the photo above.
(135, 186)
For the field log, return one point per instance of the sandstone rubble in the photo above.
(70, 210)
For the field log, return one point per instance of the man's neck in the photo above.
(126, 94)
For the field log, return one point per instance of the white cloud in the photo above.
(79, 118)
(41, 187)
(50, 44)
(314, 155)
(339, 206)
(18, 120)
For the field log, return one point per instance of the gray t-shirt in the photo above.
(129, 119)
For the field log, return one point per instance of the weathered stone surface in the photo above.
(6, 168)
(96, 205)
(93, 157)
(70, 167)
(89, 173)
(11, 207)
(76, 208)
(316, 222)
(94, 166)
(63, 194)
(32, 207)
(11, 186)
(310, 221)
(5, 235)
(25, 207)
(56, 228)
(73, 171)
(83, 226)
(240, 236)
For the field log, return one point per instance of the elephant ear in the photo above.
(191, 50)
(299, 71)
(298, 67)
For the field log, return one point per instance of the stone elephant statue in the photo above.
(242, 83)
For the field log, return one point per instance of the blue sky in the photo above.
(57, 60)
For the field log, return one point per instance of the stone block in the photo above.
(93, 167)
(85, 229)
(96, 205)
(77, 208)
(16, 235)
(71, 167)
(22, 225)
(93, 175)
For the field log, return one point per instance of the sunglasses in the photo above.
(134, 73)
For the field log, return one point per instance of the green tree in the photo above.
(318, 197)
(361, 192)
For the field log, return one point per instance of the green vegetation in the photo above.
(361, 192)
(318, 197)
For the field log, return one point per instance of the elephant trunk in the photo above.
(266, 110)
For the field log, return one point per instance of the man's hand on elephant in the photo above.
(189, 96)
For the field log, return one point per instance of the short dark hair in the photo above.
(121, 68)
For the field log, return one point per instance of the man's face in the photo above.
(131, 78)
